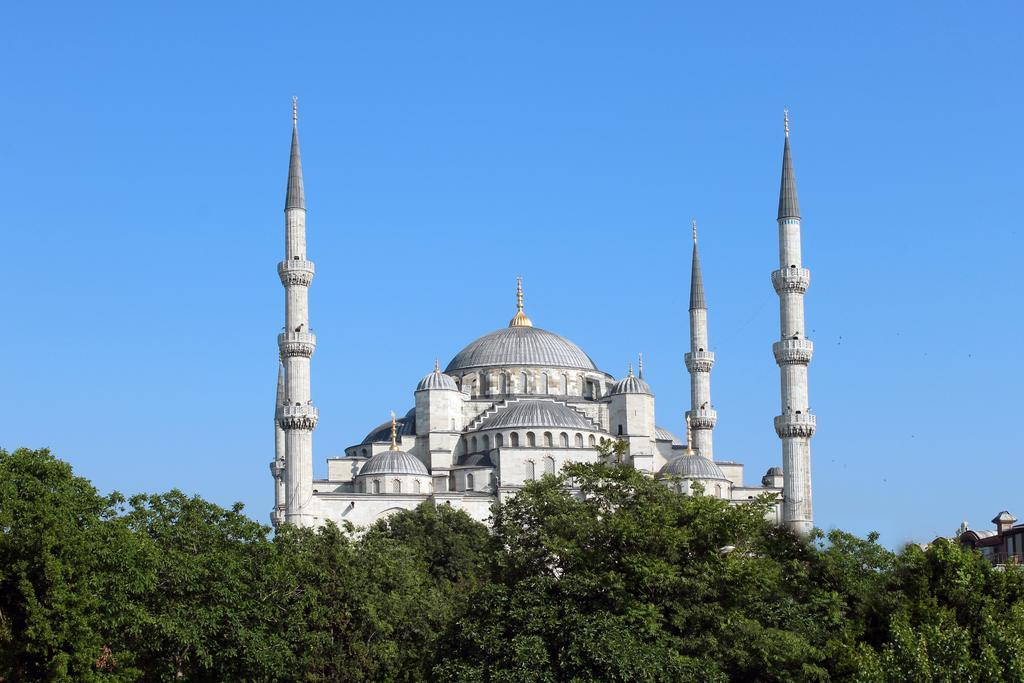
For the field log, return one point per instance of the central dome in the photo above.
(521, 346)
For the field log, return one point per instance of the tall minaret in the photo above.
(793, 351)
(702, 416)
(277, 467)
(297, 343)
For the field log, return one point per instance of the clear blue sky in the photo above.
(450, 147)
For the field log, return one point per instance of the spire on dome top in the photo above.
(394, 432)
(640, 363)
(696, 281)
(630, 369)
(789, 207)
(520, 319)
(437, 364)
(295, 198)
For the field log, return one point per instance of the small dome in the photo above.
(630, 385)
(537, 413)
(693, 467)
(382, 432)
(774, 472)
(662, 434)
(394, 462)
(437, 380)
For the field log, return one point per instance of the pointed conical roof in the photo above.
(696, 281)
(789, 207)
(295, 197)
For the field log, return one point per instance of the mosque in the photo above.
(521, 402)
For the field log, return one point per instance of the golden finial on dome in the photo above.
(630, 369)
(394, 432)
(785, 119)
(437, 364)
(520, 319)
(689, 437)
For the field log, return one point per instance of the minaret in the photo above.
(277, 467)
(296, 344)
(702, 416)
(793, 351)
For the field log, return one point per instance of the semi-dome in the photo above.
(437, 380)
(382, 433)
(521, 346)
(537, 413)
(394, 462)
(691, 466)
(630, 385)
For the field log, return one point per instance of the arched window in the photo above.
(549, 465)
(547, 439)
(579, 441)
(362, 486)
(493, 480)
(591, 441)
(451, 481)
(524, 386)
(620, 430)
(396, 486)
(487, 443)
(563, 440)
(531, 470)
(515, 439)
(531, 440)
(503, 383)
(544, 381)
(376, 485)
(499, 440)
(473, 442)
(469, 482)
(718, 490)
(565, 385)
(364, 452)
(416, 486)
(472, 387)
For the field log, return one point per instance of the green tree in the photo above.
(67, 575)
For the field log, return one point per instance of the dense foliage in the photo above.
(626, 582)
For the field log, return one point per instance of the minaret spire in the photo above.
(699, 361)
(520, 319)
(795, 425)
(394, 432)
(296, 345)
(640, 364)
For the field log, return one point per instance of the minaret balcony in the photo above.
(299, 417)
(276, 468)
(702, 418)
(795, 425)
(296, 344)
(699, 361)
(296, 272)
(791, 280)
(793, 351)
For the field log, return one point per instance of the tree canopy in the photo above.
(615, 578)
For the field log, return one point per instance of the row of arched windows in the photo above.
(483, 443)
(525, 383)
(377, 486)
(531, 467)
